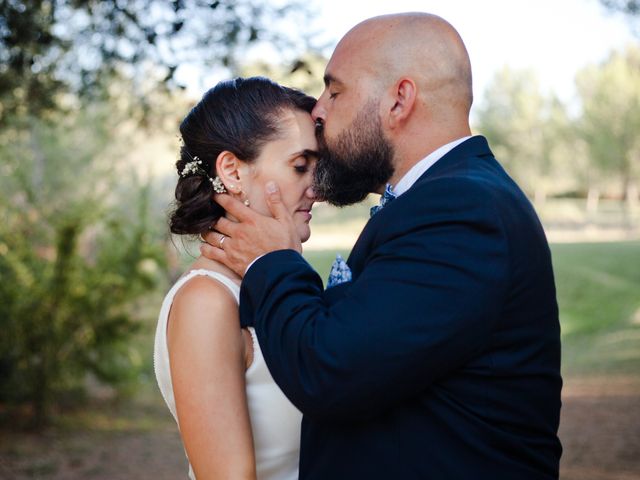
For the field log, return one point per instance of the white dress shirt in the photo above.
(423, 165)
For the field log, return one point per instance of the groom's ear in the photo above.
(404, 94)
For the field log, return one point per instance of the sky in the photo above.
(554, 38)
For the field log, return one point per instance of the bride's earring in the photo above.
(238, 190)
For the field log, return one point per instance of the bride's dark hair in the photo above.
(239, 116)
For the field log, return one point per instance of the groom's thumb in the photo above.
(274, 201)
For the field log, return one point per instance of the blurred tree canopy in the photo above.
(50, 47)
(629, 7)
(76, 248)
(610, 118)
(525, 127)
(549, 150)
(304, 73)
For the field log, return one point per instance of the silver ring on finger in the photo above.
(202, 239)
(222, 239)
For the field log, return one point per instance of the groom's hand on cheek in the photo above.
(253, 234)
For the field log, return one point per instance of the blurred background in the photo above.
(91, 95)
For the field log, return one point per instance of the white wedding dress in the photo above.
(274, 420)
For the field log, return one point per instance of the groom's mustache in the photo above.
(323, 149)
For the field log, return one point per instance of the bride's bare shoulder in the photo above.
(203, 295)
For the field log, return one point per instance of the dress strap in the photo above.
(226, 281)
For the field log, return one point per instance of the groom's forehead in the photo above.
(354, 55)
(340, 69)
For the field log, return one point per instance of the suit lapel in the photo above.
(476, 146)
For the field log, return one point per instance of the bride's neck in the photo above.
(208, 264)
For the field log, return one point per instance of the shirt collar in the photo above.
(423, 165)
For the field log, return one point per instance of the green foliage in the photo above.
(74, 256)
(610, 118)
(548, 151)
(49, 47)
(526, 129)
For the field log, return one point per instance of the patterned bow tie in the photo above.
(386, 197)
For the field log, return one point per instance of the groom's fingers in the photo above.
(234, 207)
(212, 237)
(226, 227)
(274, 202)
(214, 253)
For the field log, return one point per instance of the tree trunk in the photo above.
(593, 199)
(631, 195)
(631, 204)
(41, 393)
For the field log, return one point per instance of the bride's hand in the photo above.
(238, 243)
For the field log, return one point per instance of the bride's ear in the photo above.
(228, 168)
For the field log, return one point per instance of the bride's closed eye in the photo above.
(301, 168)
(303, 163)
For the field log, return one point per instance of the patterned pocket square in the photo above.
(340, 272)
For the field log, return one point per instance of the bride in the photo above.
(234, 420)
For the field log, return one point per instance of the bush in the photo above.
(73, 258)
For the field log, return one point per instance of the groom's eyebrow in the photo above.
(329, 79)
(305, 153)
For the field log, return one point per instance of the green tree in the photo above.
(610, 118)
(525, 128)
(75, 252)
(49, 47)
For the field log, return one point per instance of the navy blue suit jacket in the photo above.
(441, 358)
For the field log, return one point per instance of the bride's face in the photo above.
(289, 161)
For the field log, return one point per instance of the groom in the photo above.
(440, 358)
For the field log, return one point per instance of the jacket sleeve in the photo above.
(423, 305)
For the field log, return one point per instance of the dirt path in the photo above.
(95, 456)
(600, 431)
(600, 428)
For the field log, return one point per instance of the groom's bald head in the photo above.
(421, 46)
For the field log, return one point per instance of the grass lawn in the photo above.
(599, 298)
(598, 288)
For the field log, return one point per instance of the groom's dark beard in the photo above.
(359, 163)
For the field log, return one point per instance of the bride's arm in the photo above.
(207, 357)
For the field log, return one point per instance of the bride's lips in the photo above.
(306, 212)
